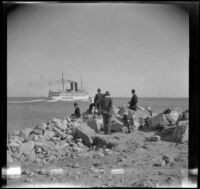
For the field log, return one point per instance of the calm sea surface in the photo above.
(27, 112)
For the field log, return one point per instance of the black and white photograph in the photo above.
(97, 94)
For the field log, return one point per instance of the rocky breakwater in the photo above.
(170, 125)
(47, 141)
(57, 139)
(54, 140)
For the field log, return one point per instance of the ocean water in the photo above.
(23, 112)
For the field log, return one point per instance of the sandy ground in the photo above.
(134, 162)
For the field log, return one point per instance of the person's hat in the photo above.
(75, 104)
(107, 93)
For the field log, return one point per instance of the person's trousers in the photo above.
(106, 121)
(133, 107)
(99, 110)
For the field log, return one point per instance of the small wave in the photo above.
(40, 100)
(28, 101)
(52, 100)
(65, 100)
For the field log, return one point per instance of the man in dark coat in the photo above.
(107, 111)
(133, 102)
(97, 100)
(77, 112)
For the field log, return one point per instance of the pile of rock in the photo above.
(169, 125)
(168, 121)
(177, 128)
(57, 139)
(47, 141)
(165, 118)
(178, 133)
(136, 118)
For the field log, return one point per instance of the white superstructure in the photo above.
(71, 94)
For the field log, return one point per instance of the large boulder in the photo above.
(95, 124)
(173, 116)
(177, 133)
(116, 125)
(181, 133)
(101, 141)
(45, 145)
(65, 123)
(155, 122)
(59, 124)
(14, 147)
(14, 132)
(25, 148)
(33, 137)
(16, 139)
(84, 132)
(136, 118)
(42, 126)
(185, 115)
(68, 119)
(25, 133)
(31, 155)
(37, 131)
(48, 134)
(57, 131)
(120, 110)
(166, 133)
(153, 138)
(184, 122)
(139, 113)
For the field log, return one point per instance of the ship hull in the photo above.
(70, 98)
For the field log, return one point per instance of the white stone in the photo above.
(48, 134)
(85, 132)
(95, 124)
(26, 147)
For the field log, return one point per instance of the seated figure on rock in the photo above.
(77, 112)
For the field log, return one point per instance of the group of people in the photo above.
(103, 105)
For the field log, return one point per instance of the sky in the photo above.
(114, 46)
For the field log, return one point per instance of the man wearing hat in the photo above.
(97, 100)
(133, 102)
(107, 111)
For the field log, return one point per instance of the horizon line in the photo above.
(90, 96)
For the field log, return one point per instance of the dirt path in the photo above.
(132, 162)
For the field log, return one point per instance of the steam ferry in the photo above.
(71, 94)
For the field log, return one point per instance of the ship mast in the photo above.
(81, 83)
(62, 82)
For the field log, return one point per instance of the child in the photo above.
(126, 121)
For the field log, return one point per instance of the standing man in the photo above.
(133, 102)
(97, 100)
(107, 111)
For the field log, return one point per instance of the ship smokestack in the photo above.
(72, 86)
(62, 82)
(76, 86)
